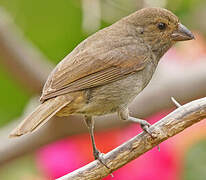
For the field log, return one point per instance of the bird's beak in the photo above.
(182, 33)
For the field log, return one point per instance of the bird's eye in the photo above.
(161, 26)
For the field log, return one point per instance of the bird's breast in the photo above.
(110, 97)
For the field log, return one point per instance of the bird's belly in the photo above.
(113, 96)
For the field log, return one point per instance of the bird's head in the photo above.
(159, 28)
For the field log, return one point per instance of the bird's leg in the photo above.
(124, 115)
(97, 154)
(175, 102)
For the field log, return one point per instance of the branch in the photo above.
(167, 127)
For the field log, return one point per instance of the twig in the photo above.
(169, 126)
(175, 102)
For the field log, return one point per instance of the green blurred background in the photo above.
(55, 27)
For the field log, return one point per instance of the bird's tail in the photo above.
(40, 115)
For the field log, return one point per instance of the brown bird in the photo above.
(106, 71)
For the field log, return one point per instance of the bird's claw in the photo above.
(145, 126)
(99, 156)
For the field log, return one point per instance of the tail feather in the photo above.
(40, 115)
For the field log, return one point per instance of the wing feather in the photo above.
(91, 65)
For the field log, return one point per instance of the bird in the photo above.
(106, 71)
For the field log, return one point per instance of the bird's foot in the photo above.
(100, 156)
(145, 126)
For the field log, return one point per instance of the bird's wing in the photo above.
(92, 65)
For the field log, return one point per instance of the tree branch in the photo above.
(169, 126)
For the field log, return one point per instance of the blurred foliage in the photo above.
(13, 97)
(184, 9)
(54, 27)
(195, 162)
(19, 169)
